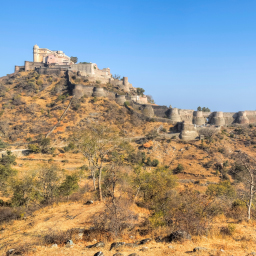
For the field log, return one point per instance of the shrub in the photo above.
(8, 159)
(155, 162)
(178, 169)
(69, 185)
(39, 82)
(71, 146)
(8, 213)
(34, 148)
(228, 230)
(127, 103)
(224, 188)
(98, 81)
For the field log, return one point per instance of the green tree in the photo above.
(74, 59)
(199, 109)
(69, 185)
(49, 180)
(140, 91)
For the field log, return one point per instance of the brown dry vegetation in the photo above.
(32, 105)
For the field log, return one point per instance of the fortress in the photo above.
(187, 122)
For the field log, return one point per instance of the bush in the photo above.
(8, 159)
(155, 163)
(178, 169)
(229, 230)
(224, 188)
(8, 213)
(127, 103)
(39, 82)
(71, 146)
(34, 148)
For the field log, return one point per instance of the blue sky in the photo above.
(182, 52)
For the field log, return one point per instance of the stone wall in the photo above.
(161, 111)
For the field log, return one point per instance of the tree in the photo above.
(49, 180)
(115, 76)
(150, 99)
(140, 91)
(95, 142)
(199, 109)
(204, 109)
(247, 174)
(74, 59)
(69, 185)
(208, 132)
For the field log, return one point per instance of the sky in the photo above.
(185, 53)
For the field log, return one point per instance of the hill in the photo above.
(161, 183)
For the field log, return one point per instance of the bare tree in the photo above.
(208, 132)
(95, 143)
(247, 173)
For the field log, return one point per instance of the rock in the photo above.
(158, 239)
(131, 245)
(10, 252)
(69, 242)
(118, 254)
(99, 254)
(144, 249)
(179, 235)
(97, 245)
(170, 247)
(54, 246)
(116, 245)
(89, 202)
(133, 254)
(144, 241)
(199, 249)
(252, 253)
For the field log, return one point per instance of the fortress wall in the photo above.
(19, 68)
(84, 68)
(160, 111)
(251, 115)
(230, 117)
(32, 65)
(82, 90)
(110, 95)
(186, 115)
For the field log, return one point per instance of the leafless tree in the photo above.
(247, 173)
(95, 142)
(208, 132)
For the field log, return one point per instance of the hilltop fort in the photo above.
(187, 122)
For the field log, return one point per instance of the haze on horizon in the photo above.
(186, 53)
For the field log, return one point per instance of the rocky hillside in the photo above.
(163, 184)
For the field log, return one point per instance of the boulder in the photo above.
(99, 254)
(145, 241)
(116, 245)
(10, 252)
(69, 242)
(179, 235)
(88, 202)
(118, 254)
(97, 245)
(199, 249)
(133, 254)
(144, 249)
